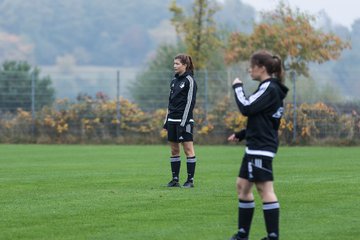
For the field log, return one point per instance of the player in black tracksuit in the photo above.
(182, 100)
(179, 121)
(264, 109)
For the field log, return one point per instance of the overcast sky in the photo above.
(343, 12)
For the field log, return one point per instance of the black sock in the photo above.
(272, 215)
(191, 163)
(246, 212)
(175, 167)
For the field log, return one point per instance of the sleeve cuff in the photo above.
(237, 85)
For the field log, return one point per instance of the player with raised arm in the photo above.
(264, 109)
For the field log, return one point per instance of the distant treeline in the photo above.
(128, 33)
(97, 32)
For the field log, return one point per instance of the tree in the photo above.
(289, 34)
(16, 80)
(236, 16)
(346, 70)
(197, 31)
(151, 88)
(107, 32)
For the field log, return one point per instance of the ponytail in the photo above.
(277, 69)
(272, 63)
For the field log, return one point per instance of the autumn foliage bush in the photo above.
(97, 120)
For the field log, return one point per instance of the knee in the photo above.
(189, 151)
(267, 195)
(240, 188)
(175, 152)
(244, 193)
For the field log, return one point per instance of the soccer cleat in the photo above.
(188, 184)
(236, 237)
(173, 183)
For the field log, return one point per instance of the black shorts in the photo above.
(178, 134)
(256, 168)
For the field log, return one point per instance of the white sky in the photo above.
(342, 12)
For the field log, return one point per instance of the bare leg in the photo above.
(189, 149)
(266, 191)
(244, 189)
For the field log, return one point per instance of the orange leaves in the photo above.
(306, 132)
(197, 30)
(206, 129)
(163, 133)
(316, 120)
(49, 121)
(24, 115)
(235, 121)
(62, 127)
(290, 34)
(55, 122)
(97, 120)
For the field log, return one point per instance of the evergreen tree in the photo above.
(151, 88)
(17, 80)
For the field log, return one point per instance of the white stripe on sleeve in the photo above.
(189, 100)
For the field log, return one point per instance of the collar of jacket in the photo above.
(183, 75)
(282, 87)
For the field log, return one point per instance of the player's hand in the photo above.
(236, 81)
(232, 138)
(182, 130)
(237, 136)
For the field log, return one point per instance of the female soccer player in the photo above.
(264, 109)
(179, 120)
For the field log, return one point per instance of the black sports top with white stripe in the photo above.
(182, 99)
(264, 109)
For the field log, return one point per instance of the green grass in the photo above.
(118, 192)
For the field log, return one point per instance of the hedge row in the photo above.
(102, 120)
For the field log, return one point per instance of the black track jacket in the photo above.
(182, 99)
(264, 109)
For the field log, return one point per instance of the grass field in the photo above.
(118, 192)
